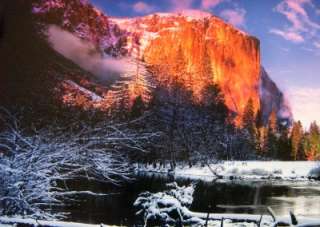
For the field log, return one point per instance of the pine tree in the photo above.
(117, 100)
(296, 140)
(284, 145)
(141, 83)
(249, 120)
(312, 142)
(261, 130)
(137, 108)
(213, 102)
(273, 122)
(259, 119)
(271, 141)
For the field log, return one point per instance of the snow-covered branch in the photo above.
(35, 165)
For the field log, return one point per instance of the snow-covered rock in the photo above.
(171, 208)
(165, 207)
(315, 172)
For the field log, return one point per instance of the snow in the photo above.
(94, 97)
(195, 14)
(190, 14)
(164, 207)
(164, 15)
(246, 170)
(9, 221)
(168, 208)
(35, 163)
(45, 6)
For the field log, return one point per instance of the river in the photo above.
(302, 198)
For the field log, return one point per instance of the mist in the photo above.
(86, 56)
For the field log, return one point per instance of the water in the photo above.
(301, 200)
(116, 209)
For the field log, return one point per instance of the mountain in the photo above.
(273, 98)
(233, 56)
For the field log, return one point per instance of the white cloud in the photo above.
(317, 44)
(301, 25)
(209, 4)
(178, 5)
(305, 104)
(142, 7)
(85, 55)
(234, 16)
(288, 35)
(181, 5)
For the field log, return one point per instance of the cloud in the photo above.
(288, 35)
(234, 16)
(305, 104)
(142, 7)
(85, 54)
(208, 4)
(301, 26)
(317, 44)
(181, 5)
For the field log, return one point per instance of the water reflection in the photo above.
(117, 209)
(254, 197)
(302, 201)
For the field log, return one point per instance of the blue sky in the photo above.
(289, 31)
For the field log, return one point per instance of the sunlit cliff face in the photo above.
(234, 55)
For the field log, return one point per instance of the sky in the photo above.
(289, 31)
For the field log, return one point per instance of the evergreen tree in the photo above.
(312, 142)
(141, 82)
(259, 119)
(261, 131)
(213, 102)
(296, 140)
(271, 146)
(273, 122)
(249, 121)
(137, 108)
(284, 145)
(271, 141)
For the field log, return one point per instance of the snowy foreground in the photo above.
(8, 222)
(171, 207)
(243, 170)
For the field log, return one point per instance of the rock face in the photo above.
(234, 56)
(273, 99)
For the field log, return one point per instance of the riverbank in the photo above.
(28, 222)
(241, 170)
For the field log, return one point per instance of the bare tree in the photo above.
(35, 165)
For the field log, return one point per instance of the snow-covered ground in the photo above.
(246, 170)
(10, 222)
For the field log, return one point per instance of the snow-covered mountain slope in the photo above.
(234, 55)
